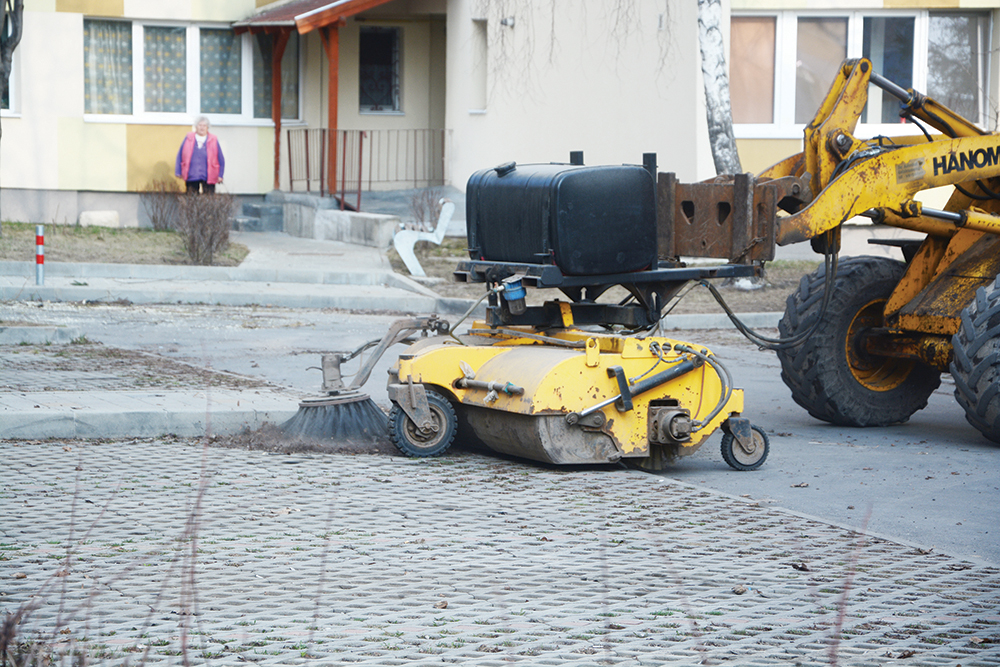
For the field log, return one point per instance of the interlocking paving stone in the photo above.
(137, 551)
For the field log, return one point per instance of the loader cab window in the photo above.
(783, 63)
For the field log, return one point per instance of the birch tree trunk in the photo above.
(717, 106)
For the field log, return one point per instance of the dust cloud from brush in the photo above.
(270, 438)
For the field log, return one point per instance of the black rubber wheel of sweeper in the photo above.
(412, 441)
(829, 374)
(740, 459)
(975, 364)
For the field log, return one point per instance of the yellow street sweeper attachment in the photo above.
(574, 380)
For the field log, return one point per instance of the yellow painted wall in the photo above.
(92, 7)
(756, 155)
(152, 153)
(265, 158)
(91, 155)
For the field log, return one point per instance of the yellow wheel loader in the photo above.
(583, 379)
(863, 341)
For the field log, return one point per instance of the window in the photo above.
(221, 72)
(107, 67)
(751, 80)
(8, 102)
(262, 76)
(783, 64)
(155, 72)
(165, 62)
(480, 56)
(958, 61)
(379, 73)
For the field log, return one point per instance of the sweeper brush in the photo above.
(343, 413)
(351, 419)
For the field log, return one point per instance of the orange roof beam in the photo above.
(333, 13)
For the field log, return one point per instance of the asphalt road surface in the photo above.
(930, 482)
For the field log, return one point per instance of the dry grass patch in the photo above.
(103, 245)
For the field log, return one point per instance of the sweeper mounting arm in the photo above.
(399, 332)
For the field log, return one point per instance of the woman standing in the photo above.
(199, 161)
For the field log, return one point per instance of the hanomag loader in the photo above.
(862, 342)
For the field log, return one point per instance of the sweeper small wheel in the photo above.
(414, 441)
(739, 458)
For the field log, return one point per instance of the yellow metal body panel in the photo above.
(918, 274)
(891, 178)
(971, 260)
(558, 381)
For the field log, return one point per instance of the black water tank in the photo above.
(585, 220)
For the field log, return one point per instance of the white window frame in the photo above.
(192, 81)
(785, 49)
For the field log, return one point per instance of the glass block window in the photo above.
(165, 69)
(107, 67)
(221, 71)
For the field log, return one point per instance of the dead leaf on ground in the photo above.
(902, 654)
(976, 640)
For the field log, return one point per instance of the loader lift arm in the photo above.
(885, 329)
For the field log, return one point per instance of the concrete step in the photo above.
(270, 217)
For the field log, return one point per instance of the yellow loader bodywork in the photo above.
(872, 334)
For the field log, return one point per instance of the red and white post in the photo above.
(39, 254)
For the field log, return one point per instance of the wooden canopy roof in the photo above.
(305, 15)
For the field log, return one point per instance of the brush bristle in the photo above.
(353, 421)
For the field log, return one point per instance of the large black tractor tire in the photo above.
(976, 364)
(828, 373)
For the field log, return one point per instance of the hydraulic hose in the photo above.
(725, 377)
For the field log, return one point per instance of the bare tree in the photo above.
(717, 105)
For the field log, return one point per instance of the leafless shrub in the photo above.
(425, 207)
(205, 221)
(159, 199)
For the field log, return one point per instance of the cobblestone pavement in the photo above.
(139, 551)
